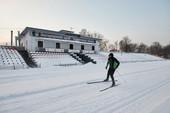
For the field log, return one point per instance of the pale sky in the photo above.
(144, 21)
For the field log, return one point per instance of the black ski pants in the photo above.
(110, 73)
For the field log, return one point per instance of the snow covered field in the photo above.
(144, 88)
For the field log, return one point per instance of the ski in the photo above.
(108, 87)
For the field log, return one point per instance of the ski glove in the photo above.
(106, 67)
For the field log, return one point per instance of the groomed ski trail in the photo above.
(76, 96)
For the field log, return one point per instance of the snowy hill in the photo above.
(144, 88)
(133, 57)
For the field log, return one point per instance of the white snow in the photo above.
(144, 88)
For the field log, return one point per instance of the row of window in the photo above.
(40, 44)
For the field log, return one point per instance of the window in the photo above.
(82, 47)
(71, 46)
(93, 48)
(40, 43)
(58, 45)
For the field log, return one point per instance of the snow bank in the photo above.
(133, 57)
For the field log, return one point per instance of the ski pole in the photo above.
(121, 77)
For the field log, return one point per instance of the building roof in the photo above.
(61, 32)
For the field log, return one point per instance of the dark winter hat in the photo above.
(111, 54)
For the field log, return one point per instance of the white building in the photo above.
(34, 39)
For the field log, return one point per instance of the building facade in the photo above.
(36, 40)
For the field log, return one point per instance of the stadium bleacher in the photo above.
(98, 57)
(45, 59)
(11, 59)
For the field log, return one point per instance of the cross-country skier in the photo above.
(113, 64)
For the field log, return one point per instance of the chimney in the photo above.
(15, 40)
(11, 38)
(19, 39)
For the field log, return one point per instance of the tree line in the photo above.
(126, 45)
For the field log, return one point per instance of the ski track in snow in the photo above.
(132, 98)
(75, 96)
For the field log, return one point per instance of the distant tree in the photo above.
(133, 47)
(102, 44)
(156, 49)
(121, 46)
(84, 32)
(111, 47)
(124, 44)
(166, 51)
(116, 45)
(142, 48)
(148, 50)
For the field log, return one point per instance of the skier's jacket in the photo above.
(113, 63)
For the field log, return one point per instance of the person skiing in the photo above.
(113, 64)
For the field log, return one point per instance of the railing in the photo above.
(54, 50)
(88, 52)
(39, 49)
(73, 51)
(74, 64)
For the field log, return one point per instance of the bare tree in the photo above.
(124, 44)
(142, 48)
(103, 42)
(84, 32)
(112, 47)
(103, 45)
(116, 45)
(133, 47)
(166, 51)
(156, 48)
